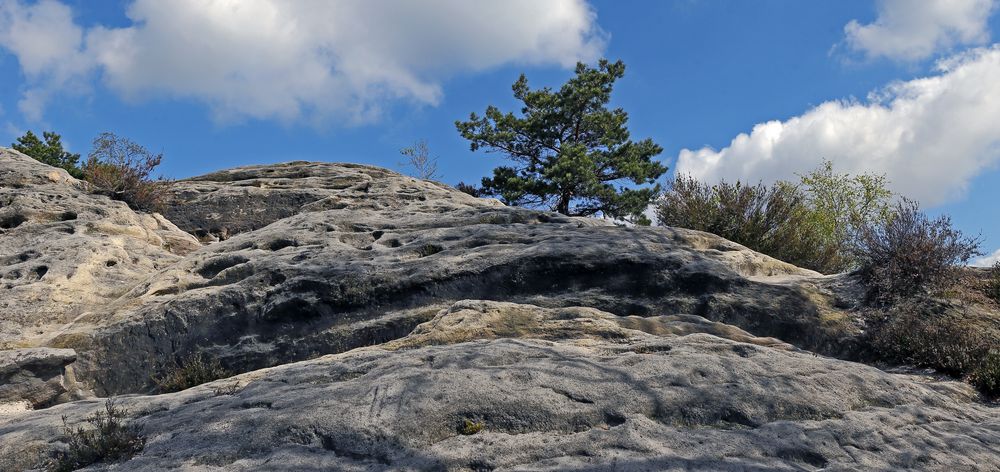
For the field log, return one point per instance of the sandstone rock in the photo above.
(36, 375)
(328, 280)
(225, 203)
(374, 315)
(581, 400)
(65, 251)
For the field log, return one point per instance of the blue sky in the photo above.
(909, 89)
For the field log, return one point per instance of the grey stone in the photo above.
(582, 402)
(36, 375)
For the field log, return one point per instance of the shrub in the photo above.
(469, 189)
(839, 205)
(470, 427)
(768, 219)
(418, 157)
(958, 345)
(193, 371)
(110, 438)
(122, 169)
(911, 254)
(810, 224)
(986, 375)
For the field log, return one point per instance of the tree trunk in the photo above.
(563, 205)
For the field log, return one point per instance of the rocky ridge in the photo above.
(373, 315)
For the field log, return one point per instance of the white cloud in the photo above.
(911, 30)
(987, 261)
(930, 136)
(307, 59)
(47, 44)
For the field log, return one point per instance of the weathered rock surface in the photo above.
(592, 396)
(65, 251)
(37, 376)
(395, 309)
(222, 204)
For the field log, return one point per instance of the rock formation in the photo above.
(378, 322)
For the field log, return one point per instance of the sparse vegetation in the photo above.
(50, 151)
(108, 437)
(418, 158)
(920, 332)
(573, 155)
(911, 255)
(122, 169)
(193, 371)
(470, 427)
(992, 289)
(230, 389)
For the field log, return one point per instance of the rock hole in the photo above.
(110, 263)
(68, 216)
(40, 271)
(27, 255)
(12, 221)
(429, 250)
(212, 267)
(614, 419)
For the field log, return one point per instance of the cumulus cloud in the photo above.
(930, 135)
(291, 60)
(912, 30)
(987, 261)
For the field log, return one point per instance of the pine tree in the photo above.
(49, 152)
(572, 154)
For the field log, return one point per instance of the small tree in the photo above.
(418, 157)
(50, 151)
(121, 168)
(842, 204)
(910, 254)
(570, 150)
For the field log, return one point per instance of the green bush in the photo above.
(108, 438)
(768, 219)
(193, 371)
(810, 224)
(122, 169)
(911, 255)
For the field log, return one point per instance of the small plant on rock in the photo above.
(108, 438)
(470, 427)
(122, 169)
(193, 371)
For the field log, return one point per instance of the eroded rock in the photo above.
(37, 376)
(580, 399)
(65, 251)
